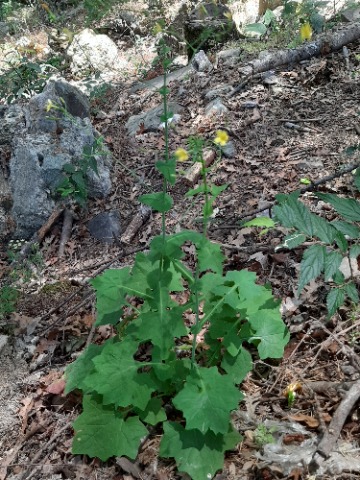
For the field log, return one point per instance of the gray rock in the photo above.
(243, 13)
(4, 29)
(229, 150)
(40, 147)
(209, 23)
(90, 51)
(105, 226)
(201, 63)
(229, 57)
(3, 342)
(216, 107)
(220, 90)
(150, 119)
(351, 14)
(12, 120)
(310, 164)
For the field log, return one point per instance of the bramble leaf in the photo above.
(312, 264)
(293, 240)
(102, 432)
(203, 402)
(349, 229)
(334, 300)
(351, 292)
(332, 263)
(354, 251)
(293, 214)
(349, 208)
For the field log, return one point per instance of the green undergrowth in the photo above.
(186, 337)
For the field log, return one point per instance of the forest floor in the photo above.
(56, 309)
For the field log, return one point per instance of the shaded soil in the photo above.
(57, 306)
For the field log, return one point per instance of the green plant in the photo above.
(74, 184)
(333, 242)
(178, 357)
(23, 268)
(8, 299)
(24, 78)
(295, 17)
(264, 435)
(6, 8)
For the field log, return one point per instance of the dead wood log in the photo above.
(66, 231)
(136, 223)
(327, 443)
(327, 43)
(193, 173)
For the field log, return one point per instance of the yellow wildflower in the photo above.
(181, 155)
(49, 105)
(221, 138)
(305, 31)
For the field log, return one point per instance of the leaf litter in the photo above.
(297, 128)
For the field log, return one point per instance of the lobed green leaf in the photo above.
(200, 455)
(203, 403)
(102, 432)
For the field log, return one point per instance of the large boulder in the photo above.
(209, 23)
(91, 52)
(39, 144)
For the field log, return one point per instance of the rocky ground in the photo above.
(294, 123)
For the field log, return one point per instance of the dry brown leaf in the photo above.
(57, 387)
(309, 421)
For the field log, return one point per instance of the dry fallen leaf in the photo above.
(310, 421)
(56, 388)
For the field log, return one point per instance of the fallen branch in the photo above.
(327, 443)
(39, 236)
(66, 231)
(136, 223)
(193, 173)
(329, 42)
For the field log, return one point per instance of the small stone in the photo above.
(101, 115)
(229, 150)
(201, 63)
(4, 339)
(348, 370)
(105, 226)
(216, 107)
(351, 14)
(249, 104)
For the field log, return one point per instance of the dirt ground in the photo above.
(55, 313)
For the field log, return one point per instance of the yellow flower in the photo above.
(221, 138)
(181, 155)
(49, 105)
(305, 31)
